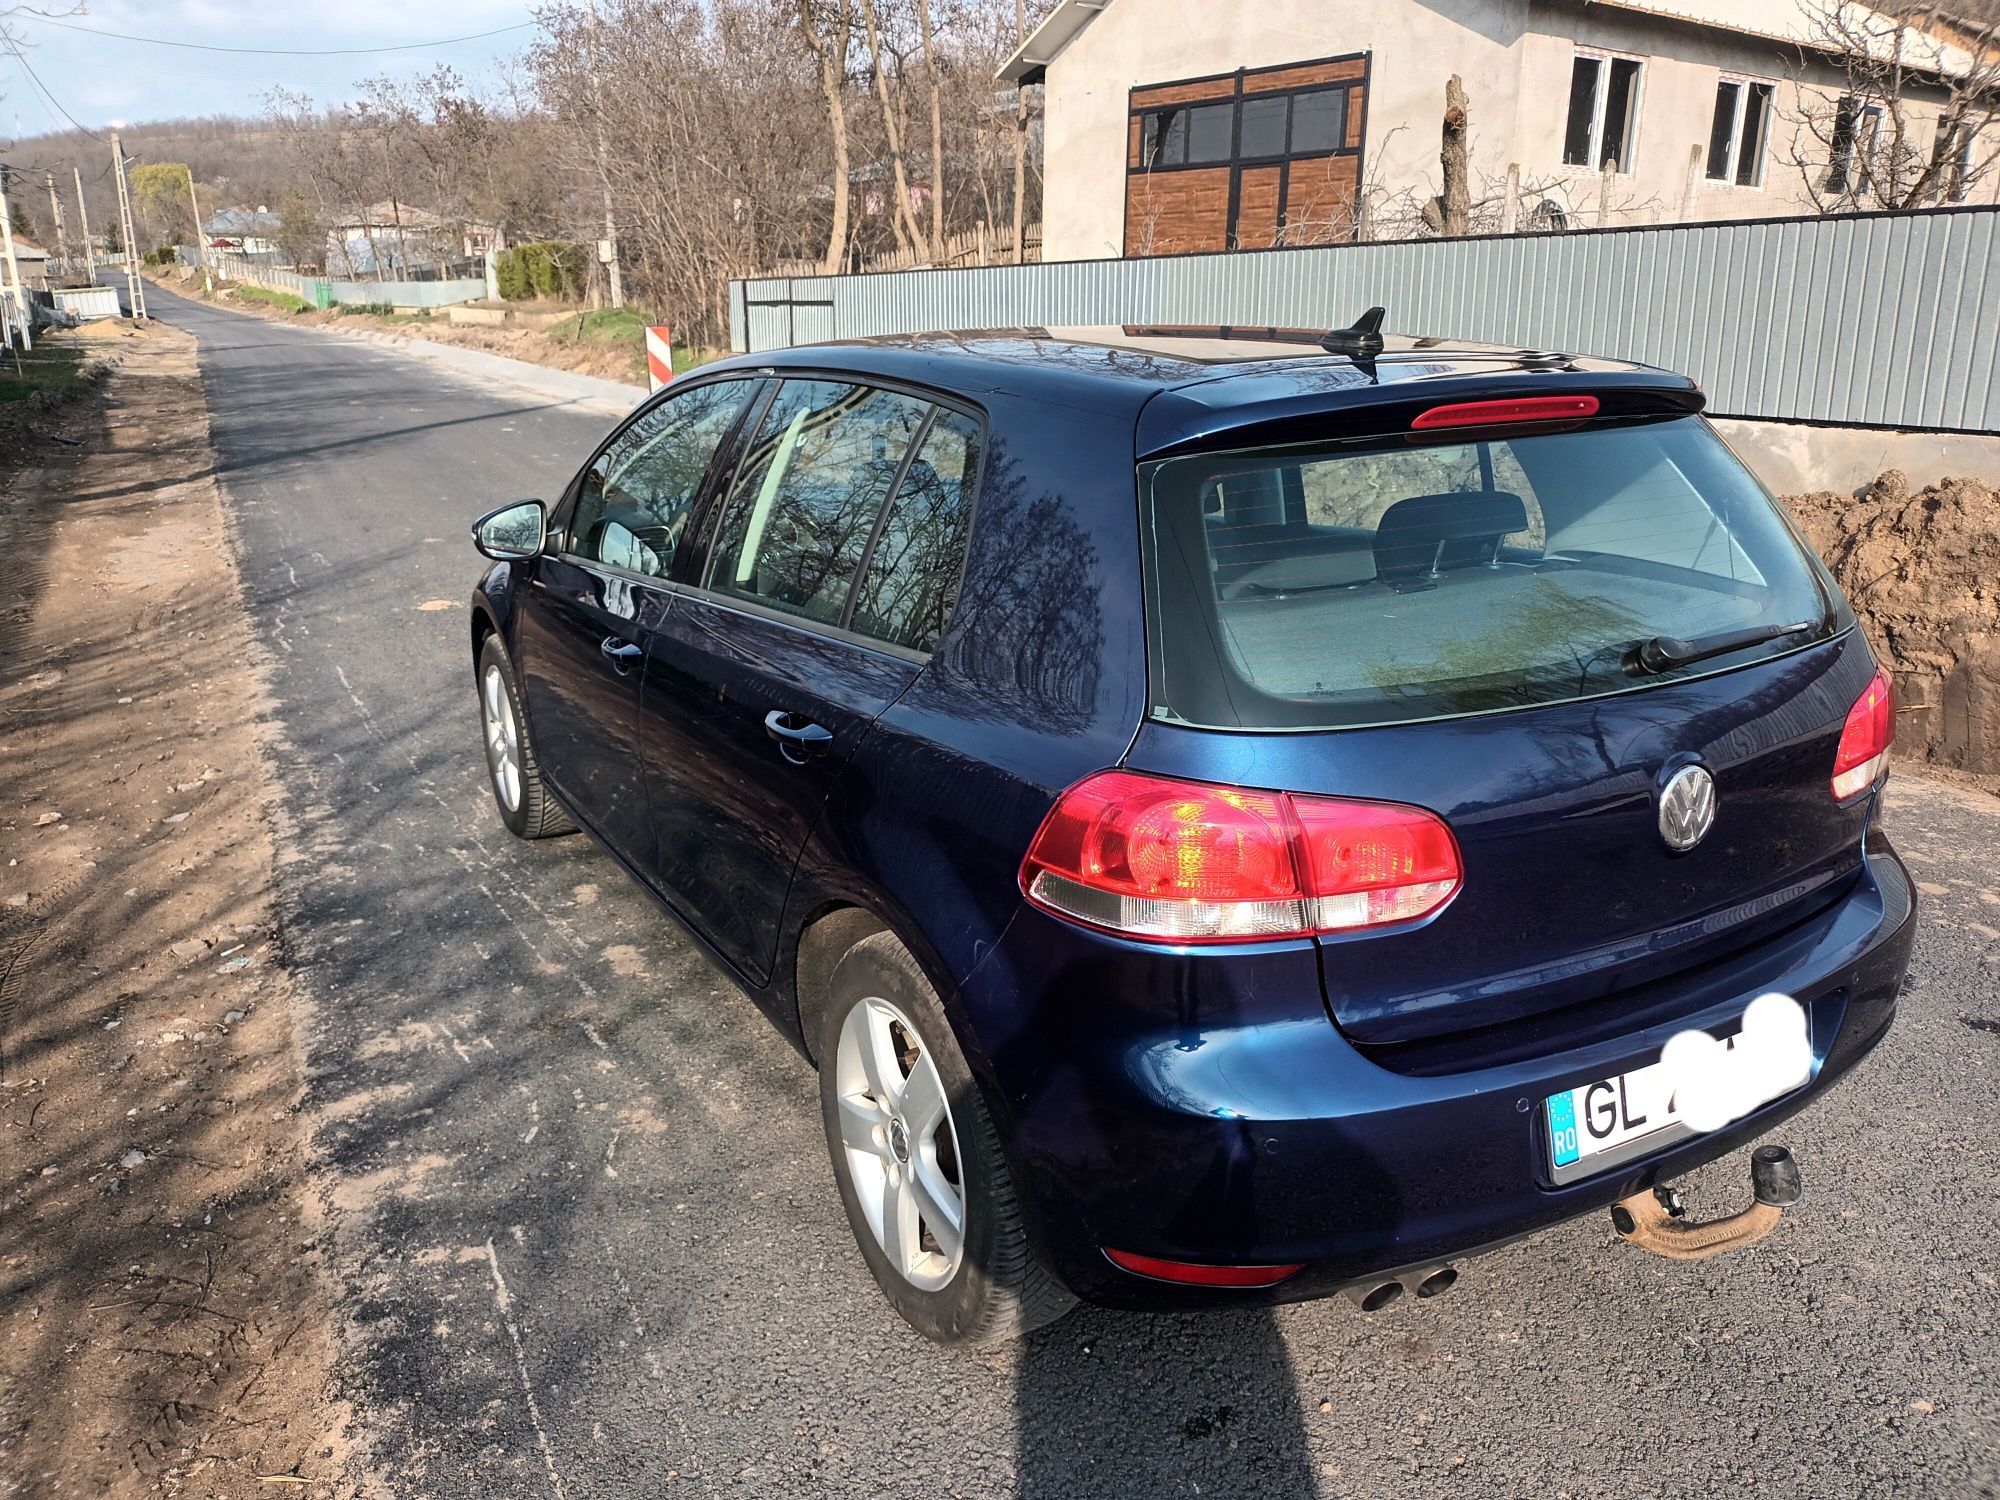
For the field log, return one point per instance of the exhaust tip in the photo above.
(1439, 1281)
(1380, 1297)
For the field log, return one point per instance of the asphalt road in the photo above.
(587, 1239)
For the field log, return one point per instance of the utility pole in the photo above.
(83, 217)
(17, 292)
(200, 239)
(609, 251)
(135, 290)
(55, 212)
(402, 252)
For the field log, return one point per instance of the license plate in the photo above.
(1600, 1125)
(1590, 1128)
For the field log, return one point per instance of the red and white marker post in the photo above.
(659, 355)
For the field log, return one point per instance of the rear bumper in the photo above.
(1188, 1107)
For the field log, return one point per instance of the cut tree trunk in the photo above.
(1455, 202)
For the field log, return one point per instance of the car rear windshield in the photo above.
(1386, 580)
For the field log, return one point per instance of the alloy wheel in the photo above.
(900, 1144)
(503, 739)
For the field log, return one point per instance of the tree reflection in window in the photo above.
(808, 493)
(637, 496)
(913, 573)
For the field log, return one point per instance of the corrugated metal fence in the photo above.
(1888, 320)
(87, 301)
(322, 292)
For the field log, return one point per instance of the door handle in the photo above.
(796, 741)
(622, 653)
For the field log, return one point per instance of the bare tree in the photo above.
(894, 125)
(1020, 140)
(828, 26)
(1895, 107)
(934, 79)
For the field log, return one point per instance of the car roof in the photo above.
(1184, 385)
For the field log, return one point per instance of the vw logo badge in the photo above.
(1687, 808)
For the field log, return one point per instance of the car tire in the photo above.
(525, 804)
(993, 1287)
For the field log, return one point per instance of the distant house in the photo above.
(385, 239)
(33, 261)
(1189, 125)
(247, 231)
(875, 188)
(396, 239)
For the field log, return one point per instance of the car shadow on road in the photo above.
(1119, 1404)
(1201, 1402)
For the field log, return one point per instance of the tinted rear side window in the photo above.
(1380, 581)
(913, 574)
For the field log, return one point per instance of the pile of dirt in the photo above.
(1923, 569)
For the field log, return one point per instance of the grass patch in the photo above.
(623, 325)
(52, 370)
(283, 301)
(371, 309)
(601, 325)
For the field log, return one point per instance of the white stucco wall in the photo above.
(1515, 59)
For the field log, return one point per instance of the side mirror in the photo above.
(512, 532)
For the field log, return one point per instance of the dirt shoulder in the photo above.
(163, 1326)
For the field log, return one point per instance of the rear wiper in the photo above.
(1662, 653)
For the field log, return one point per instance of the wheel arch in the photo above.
(483, 625)
(835, 918)
(825, 934)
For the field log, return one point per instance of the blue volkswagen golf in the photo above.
(1231, 815)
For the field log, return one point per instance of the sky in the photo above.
(102, 81)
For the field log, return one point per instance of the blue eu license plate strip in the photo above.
(1562, 1129)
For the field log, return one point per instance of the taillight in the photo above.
(1185, 862)
(1863, 755)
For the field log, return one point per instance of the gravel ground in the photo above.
(586, 1243)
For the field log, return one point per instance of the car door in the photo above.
(593, 599)
(773, 664)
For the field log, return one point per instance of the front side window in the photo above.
(1603, 123)
(912, 578)
(1376, 581)
(635, 498)
(807, 494)
(1739, 131)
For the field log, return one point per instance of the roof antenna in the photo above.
(1362, 341)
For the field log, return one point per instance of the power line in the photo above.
(158, 41)
(14, 48)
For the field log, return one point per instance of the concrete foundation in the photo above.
(1793, 459)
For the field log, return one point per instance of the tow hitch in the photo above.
(1656, 1221)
